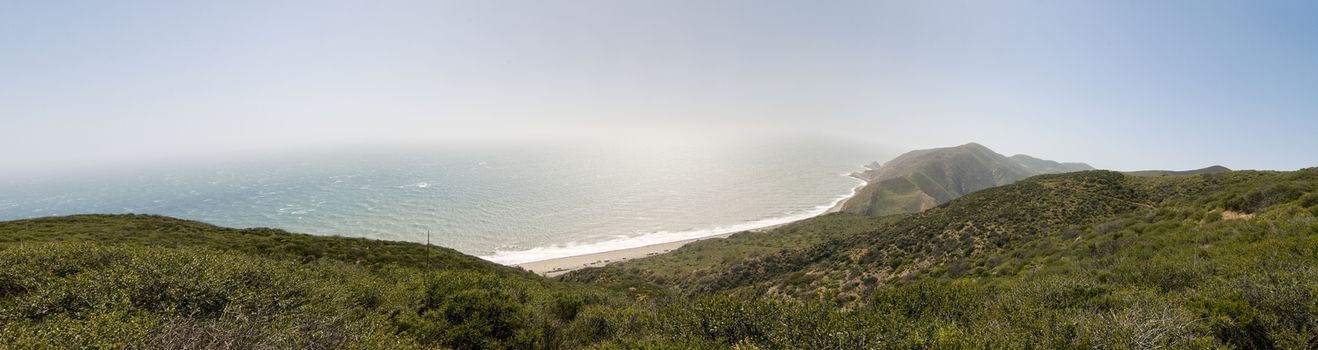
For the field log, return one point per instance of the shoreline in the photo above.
(558, 266)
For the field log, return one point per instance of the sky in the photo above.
(1118, 84)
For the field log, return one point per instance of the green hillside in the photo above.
(972, 233)
(139, 281)
(1092, 259)
(160, 231)
(688, 267)
(922, 179)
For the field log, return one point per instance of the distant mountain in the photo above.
(1043, 166)
(922, 179)
(1209, 170)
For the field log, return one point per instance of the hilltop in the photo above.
(921, 179)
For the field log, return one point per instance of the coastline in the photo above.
(558, 266)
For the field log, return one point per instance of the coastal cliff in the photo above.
(921, 179)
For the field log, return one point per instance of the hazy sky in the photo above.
(1118, 84)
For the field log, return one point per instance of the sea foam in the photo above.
(570, 249)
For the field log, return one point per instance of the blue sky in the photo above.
(1118, 84)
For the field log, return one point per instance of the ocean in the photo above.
(509, 204)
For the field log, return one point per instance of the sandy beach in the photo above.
(559, 266)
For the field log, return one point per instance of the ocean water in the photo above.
(508, 204)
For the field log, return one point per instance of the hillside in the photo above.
(922, 179)
(684, 268)
(167, 232)
(1087, 259)
(983, 224)
(1092, 259)
(141, 281)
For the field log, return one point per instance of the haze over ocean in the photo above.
(1123, 84)
(510, 204)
